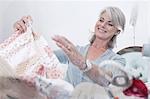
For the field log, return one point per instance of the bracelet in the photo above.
(88, 66)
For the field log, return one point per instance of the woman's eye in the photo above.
(101, 20)
(110, 24)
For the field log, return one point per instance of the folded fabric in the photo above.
(138, 89)
(15, 88)
(54, 88)
(28, 56)
(5, 69)
(87, 90)
(137, 64)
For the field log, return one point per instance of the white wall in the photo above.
(73, 19)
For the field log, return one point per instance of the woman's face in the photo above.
(104, 28)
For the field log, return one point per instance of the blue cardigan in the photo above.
(74, 75)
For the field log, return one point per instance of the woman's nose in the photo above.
(103, 24)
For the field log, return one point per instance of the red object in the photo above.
(116, 97)
(41, 70)
(138, 89)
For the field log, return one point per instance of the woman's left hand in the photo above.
(75, 57)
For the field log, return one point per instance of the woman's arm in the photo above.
(62, 57)
(96, 73)
(99, 75)
(111, 71)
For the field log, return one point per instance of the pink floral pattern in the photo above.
(9, 40)
(29, 56)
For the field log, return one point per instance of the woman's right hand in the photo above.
(21, 25)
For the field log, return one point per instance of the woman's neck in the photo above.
(96, 49)
(99, 44)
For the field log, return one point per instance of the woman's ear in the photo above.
(118, 32)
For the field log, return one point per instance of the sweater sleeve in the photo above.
(62, 57)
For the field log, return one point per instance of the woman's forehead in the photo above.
(105, 16)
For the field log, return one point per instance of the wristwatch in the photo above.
(88, 66)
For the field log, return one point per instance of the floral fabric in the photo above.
(29, 56)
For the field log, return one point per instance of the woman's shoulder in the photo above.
(112, 53)
(82, 48)
(116, 57)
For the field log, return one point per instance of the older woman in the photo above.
(83, 61)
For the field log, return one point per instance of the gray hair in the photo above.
(118, 19)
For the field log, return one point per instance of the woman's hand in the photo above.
(21, 25)
(75, 57)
